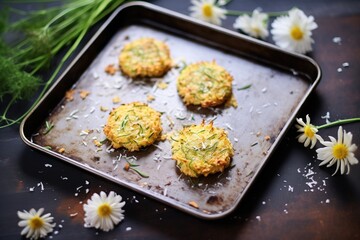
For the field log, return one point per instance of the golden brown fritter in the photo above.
(145, 57)
(133, 126)
(201, 150)
(204, 83)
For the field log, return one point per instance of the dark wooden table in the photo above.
(281, 204)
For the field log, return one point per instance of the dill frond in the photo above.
(41, 35)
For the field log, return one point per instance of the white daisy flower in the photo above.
(255, 25)
(293, 32)
(208, 11)
(35, 226)
(340, 151)
(308, 132)
(103, 211)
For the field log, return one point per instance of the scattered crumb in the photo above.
(116, 100)
(97, 143)
(150, 98)
(193, 204)
(162, 85)
(84, 94)
(103, 109)
(258, 218)
(267, 138)
(110, 69)
(61, 150)
(69, 95)
(163, 137)
(127, 167)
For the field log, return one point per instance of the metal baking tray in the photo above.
(280, 83)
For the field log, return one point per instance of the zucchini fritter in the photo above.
(201, 150)
(145, 57)
(204, 83)
(133, 126)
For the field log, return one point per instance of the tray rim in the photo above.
(154, 195)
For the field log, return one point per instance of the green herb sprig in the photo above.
(133, 166)
(41, 35)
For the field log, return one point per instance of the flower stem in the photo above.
(339, 122)
(239, 13)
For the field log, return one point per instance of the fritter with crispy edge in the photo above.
(133, 126)
(201, 149)
(204, 83)
(145, 57)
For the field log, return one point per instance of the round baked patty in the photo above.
(145, 57)
(201, 150)
(204, 83)
(133, 126)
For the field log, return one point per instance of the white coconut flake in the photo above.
(229, 127)
(327, 201)
(236, 140)
(309, 173)
(73, 214)
(345, 64)
(264, 90)
(41, 185)
(258, 218)
(95, 75)
(31, 189)
(63, 178)
(290, 189)
(128, 229)
(339, 70)
(48, 165)
(324, 182)
(84, 133)
(312, 183)
(337, 40)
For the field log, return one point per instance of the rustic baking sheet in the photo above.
(279, 84)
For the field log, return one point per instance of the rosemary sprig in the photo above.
(48, 127)
(245, 87)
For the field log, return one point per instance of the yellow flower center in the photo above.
(340, 151)
(207, 10)
(308, 131)
(296, 33)
(104, 210)
(36, 222)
